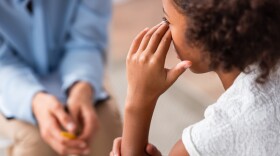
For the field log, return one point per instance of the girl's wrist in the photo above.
(138, 97)
(138, 113)
(140, 104)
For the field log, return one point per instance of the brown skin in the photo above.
(52, 117)
(178, 25)
(200, 60)
(148, 79)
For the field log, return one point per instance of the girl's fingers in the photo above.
(137, 41)
(163, 47)
(152, 150)
(156, 38)
(179, 69)
(147, 37)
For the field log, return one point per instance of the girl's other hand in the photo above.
(116, 151)
(146, 75)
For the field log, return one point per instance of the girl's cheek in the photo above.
(173, 34)
(179, 56)
(171, 29)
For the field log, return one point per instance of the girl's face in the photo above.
(178, 26)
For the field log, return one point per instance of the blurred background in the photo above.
(183, 104)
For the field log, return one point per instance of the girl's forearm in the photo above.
(137, 119)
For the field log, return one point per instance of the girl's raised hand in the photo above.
(146, 75)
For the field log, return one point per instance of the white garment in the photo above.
(245, 121)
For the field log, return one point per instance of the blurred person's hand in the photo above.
(80, 107)
(116, 151)
(52, 120)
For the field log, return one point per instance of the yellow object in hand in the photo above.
(68, 135)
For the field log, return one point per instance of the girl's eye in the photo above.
(165, 20)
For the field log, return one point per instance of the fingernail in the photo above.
(83, 145)
(70, 126)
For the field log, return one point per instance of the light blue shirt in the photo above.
(59, 43)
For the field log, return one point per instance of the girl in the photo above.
(237, 39)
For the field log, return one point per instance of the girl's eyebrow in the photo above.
(164, 12)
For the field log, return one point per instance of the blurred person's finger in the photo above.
(64, 119)
(61, 145)
(64, 150)
(90, 124)
(71, 143)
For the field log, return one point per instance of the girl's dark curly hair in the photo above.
(236, 33)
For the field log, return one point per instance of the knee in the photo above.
(29, 135)
(28, 141)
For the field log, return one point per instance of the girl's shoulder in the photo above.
(246, 90)
(246, 97)
(244, 121)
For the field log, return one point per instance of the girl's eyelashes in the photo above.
(165, 20)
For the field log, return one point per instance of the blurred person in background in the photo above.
(237, 39)
(52, 58)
